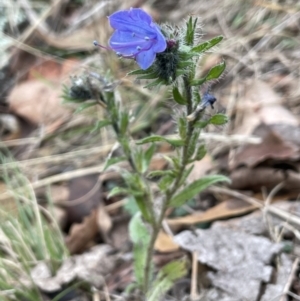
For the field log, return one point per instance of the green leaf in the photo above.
(198, 82)
(85, 106)
(148, 156)
(124, 121)
(156, 138)
(112, 161)
(166, 278)
(117, 191)
(207, 45)
(140, 201)
(201, 124)
(218, 119)
(140, 71)
(157, 82)
(201, 152)
(215, 71)
(100, 124)
(138, 231)
(178, 97)
(190, 30)
(194, 188)
(131, 206)
(182, 127)
(152, 75)
(140, 236)
(165, 182)
(193, 143)
(159, 173)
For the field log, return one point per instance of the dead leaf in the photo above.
(81, 235)
(254, 179)
(103, 221)
(119, 236)
(85, 195)
(262, 105)
(275, 145)
(38, 102)
(165, 243)
(92, 267)
(225, 209)
(241, 262)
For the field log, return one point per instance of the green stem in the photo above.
(170, 193)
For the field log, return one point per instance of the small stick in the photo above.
(194, 292)
(287, 286)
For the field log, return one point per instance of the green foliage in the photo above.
(165, 279)
(85, 106)
(175, 67)
(100, 124)
(111, 161)
(207, 45)
(194, 188)
(178, 97)
(217, 119)
(215, 71)
(156, 138)
(191, 26)
(140, 236)
(28, 236)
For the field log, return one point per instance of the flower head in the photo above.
(136, 36)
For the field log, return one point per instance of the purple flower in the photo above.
(136, 36)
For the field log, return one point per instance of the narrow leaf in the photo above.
(218, 119)
(139, 72)
(215, 71)
(166, 278)
(156, 138)
(148, 156)
(207, 45)
(178, 97)
(196, 187)
(159, 173)
(117, 191)
(112, 161)
(198, 82)
(85, 106)
(151, 75)
(201, 152)
(140, 237)
(100, 124)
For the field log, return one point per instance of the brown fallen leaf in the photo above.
(165, 243)
(38, 102)
(84, 196)
(261, 104)
(275, 145)
(81, 235)
(226, 209)
(254, 179)
(104, 222)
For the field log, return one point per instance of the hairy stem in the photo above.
(174, 188)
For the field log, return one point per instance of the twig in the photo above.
(276, 211)
(194, 292)
(287, 286)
